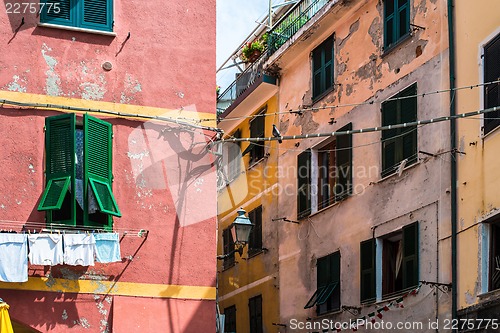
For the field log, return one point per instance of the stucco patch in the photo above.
(375, 32)
(131, 88)
(306, 122)
(469, 298)
(352, 29)
(53, 81)
(16, 84)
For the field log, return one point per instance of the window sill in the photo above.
(392, 47)
(324, 94)
(490, 133)
(489, 295)
(91, 31)
(395, 174)
(255, 253)
(254, 164)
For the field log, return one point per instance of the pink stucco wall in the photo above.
(163, 181)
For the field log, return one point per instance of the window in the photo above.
(255, 309)
(327, 295)
(324, 174)
(494, 262)
(398, 259)
(228, 244)
(255, 241)
(322, 64)
(257, 126)
(396, 21)
(491, 91)
(367, 263)
(78, 172)
(86, 14)
(230, 319)
(230, 168)
(399, 144)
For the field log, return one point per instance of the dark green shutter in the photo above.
(396, 21)
(389, 149)
(322, 67)
(255, 241)
(344, 164)
(97, 14)
(60, 166)
(61, 12)
(492, 91)
(304, 184)
(410, 255)
(98, 166)
(367, 263)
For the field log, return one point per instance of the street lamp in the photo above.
(240, 231)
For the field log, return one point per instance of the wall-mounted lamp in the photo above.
(240, 230)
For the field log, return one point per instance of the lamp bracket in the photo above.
(443, 287)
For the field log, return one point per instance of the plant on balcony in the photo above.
(252, 51)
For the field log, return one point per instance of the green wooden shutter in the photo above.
(389, 143)
(410, 255)
(98, 163)
(59, 167)
(304, 184)
(344, 164)
(61, 12)
(492, 91)
(367, 263)
(96, 14)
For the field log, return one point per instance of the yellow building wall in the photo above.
(478, 169)
(256, 185)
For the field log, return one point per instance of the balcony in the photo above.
(255, 75)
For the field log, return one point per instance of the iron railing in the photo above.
(284, 29)
(288, 25)
(242, 82)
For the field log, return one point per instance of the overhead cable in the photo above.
(364, 130)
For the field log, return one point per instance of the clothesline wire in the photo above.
(34, 225)
(370, 102)
(365, 130)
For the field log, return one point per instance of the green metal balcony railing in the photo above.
(284, 29)
(288, 25)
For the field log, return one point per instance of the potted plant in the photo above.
(252, 51)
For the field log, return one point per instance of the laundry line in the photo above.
(42, 227)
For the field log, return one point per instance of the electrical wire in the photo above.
(176, 121)
(365, 130)
(371, 102)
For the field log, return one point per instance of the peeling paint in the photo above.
(31, 167)
(15, 85)
(469, 298)
(131, 88)
(64, 315)
(52, 82)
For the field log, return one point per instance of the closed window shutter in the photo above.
(98, 166)
(304, 184)
(367, 260)
(96, 14)
(410, 255)
(344, 164)
(60, 164)
(59, 12)
(492, 91)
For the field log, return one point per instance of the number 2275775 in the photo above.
(31, 7)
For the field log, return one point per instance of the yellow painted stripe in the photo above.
(188, 114)
(113, 288)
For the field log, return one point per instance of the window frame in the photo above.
(488, 75)
(255, 315)
(493, 254)
(410, 265)
(76, 15)
(394, 28)
(255, 240)
(324, 86)
(398, 136)
(228, 246)
(234, 158)
(61, 150)
(327, 294)
(257, 149)
(309, 186)
(230, 319)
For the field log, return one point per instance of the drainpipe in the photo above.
(453, 140)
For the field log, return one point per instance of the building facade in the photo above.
(477, 55)
(106, 111)
(363, 219)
